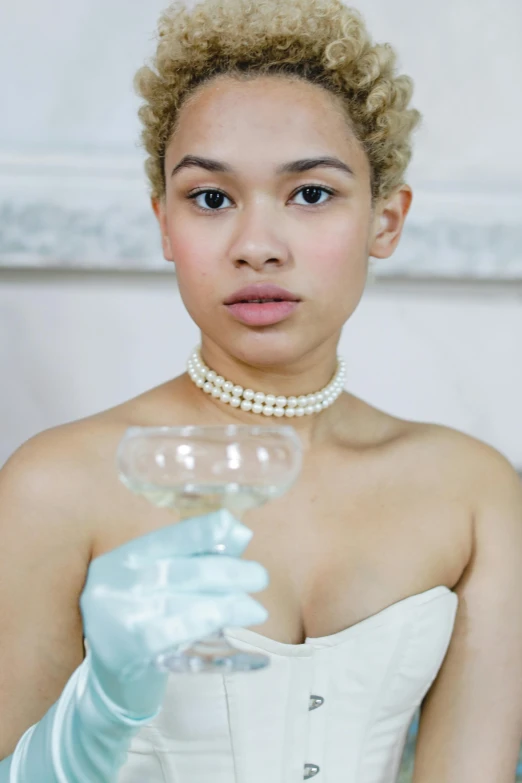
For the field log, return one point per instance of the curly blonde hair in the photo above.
(322, 41)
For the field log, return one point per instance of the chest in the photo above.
(353, 535)
(343, 545)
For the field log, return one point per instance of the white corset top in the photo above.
(336, 708)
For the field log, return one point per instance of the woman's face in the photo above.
(310, 232)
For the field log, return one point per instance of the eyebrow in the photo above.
(292, 167)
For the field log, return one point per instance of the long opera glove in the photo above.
(140, 599)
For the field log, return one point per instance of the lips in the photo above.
(261, 292)
(261, 304)
(262, 313)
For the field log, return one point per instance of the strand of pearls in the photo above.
(258, 402)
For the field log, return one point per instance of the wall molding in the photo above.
(93, 212)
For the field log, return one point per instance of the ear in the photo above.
(388, 222)
(158, 205)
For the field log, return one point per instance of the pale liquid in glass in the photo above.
(198, 499)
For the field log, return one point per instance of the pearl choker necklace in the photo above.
(258, 402)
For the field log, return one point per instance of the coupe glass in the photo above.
(200, 469)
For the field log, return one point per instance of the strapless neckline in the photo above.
(256, 639)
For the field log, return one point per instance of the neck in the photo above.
(305, 375)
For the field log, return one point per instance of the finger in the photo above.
(205, 573)
(196, 535)
(182, 622)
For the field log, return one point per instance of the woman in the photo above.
(389, 576)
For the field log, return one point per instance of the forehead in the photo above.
(281, 113)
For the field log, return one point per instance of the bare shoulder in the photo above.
(476, 463)
(69, 460)
(486, 642)
(473, 480)
(46, 537)
(58, 490)
(472, 495)
(56, 466)
(54, 482)
(48, 470)
(68, 475)
(482, 470)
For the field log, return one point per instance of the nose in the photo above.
(258, 262)
(260, 241)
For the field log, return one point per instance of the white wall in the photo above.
(75, 60)
(72, 344)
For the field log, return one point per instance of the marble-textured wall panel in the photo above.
(72, 193)
(94, 213)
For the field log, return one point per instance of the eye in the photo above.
(214, 198)
(312, 191)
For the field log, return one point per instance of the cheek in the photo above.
(194, 261)
(338, 259)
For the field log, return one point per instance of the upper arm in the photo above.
(44, 556)
(471, 719)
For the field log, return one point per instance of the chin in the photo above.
(265, 350)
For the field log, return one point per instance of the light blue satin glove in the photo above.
(139, 600)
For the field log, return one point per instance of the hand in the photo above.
(151, 594)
